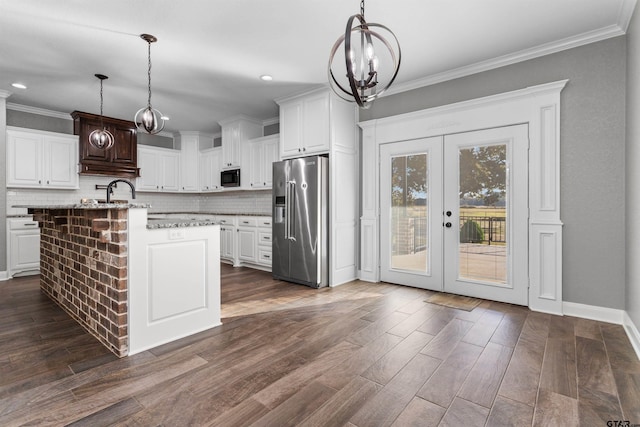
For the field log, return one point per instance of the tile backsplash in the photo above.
(249, 202)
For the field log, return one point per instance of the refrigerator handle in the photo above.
(291, 207)
(286, 210)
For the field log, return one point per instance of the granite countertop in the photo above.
(211, 213)
(153, 224)
(87, 206)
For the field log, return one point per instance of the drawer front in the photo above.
(264, 222)
(264, 256)
(226, 219)
(244, 221)
(264, 238)
(22, 224)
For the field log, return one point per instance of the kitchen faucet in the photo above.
(112, 183)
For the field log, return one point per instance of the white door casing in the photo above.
(539, 107)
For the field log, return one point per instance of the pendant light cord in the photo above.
(362, 8)
(149, 75)
(101, 102)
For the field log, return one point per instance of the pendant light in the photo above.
(101, 138)
(363, 66)
(149, 119)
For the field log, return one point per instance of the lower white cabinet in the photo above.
(245, 240)
(228, 243)
(23, 244)
(247, 248)
(264, 241)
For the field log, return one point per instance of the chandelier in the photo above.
(101, 138)
(362, 45)
(149, 119)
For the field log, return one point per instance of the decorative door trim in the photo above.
(539, 106)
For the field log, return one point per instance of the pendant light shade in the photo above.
(371, 61)
(101, 138)
(149, 119)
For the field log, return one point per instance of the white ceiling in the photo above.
(210, 53)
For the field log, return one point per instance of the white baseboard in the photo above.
(608, 315)
(632, 333)
(601, 314)
(4, 275)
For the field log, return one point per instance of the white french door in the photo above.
(411, 213)
(454, 213)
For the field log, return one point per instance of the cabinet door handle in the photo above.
(30, 224)
(39, 181)
(266, 256)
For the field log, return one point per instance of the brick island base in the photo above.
(83, 268)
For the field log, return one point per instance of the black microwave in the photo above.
(230, 178)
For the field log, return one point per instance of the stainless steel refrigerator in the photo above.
(300, 221)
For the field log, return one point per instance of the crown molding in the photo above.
(524, 55)
(39, 111)
(5, 94)
(626, 12)
(271, 121)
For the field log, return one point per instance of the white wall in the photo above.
(632, 303)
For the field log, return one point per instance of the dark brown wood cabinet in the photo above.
(121, 160)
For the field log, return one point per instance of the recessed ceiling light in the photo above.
(18, 85)
(165, 117)
(266, 77)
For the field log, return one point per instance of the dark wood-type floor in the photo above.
(358, 355)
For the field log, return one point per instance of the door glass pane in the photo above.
(483, 215)
(409, 210)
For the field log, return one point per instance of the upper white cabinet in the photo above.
(189, 162)
(262, 153)
(210, 169)
(39, 159)
(159, 169)
(235, 132)
(306, 124)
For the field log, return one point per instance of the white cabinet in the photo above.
(189, 162)
(262, 153)
(210, 169)
(264, 241)
(38, 159)
(23, 246)
(305, 125)
(228, 238)
(159, 169)
(235, 132)
(247, 244)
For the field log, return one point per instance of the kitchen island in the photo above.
(133, 284)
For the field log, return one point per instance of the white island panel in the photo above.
(174, 282)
